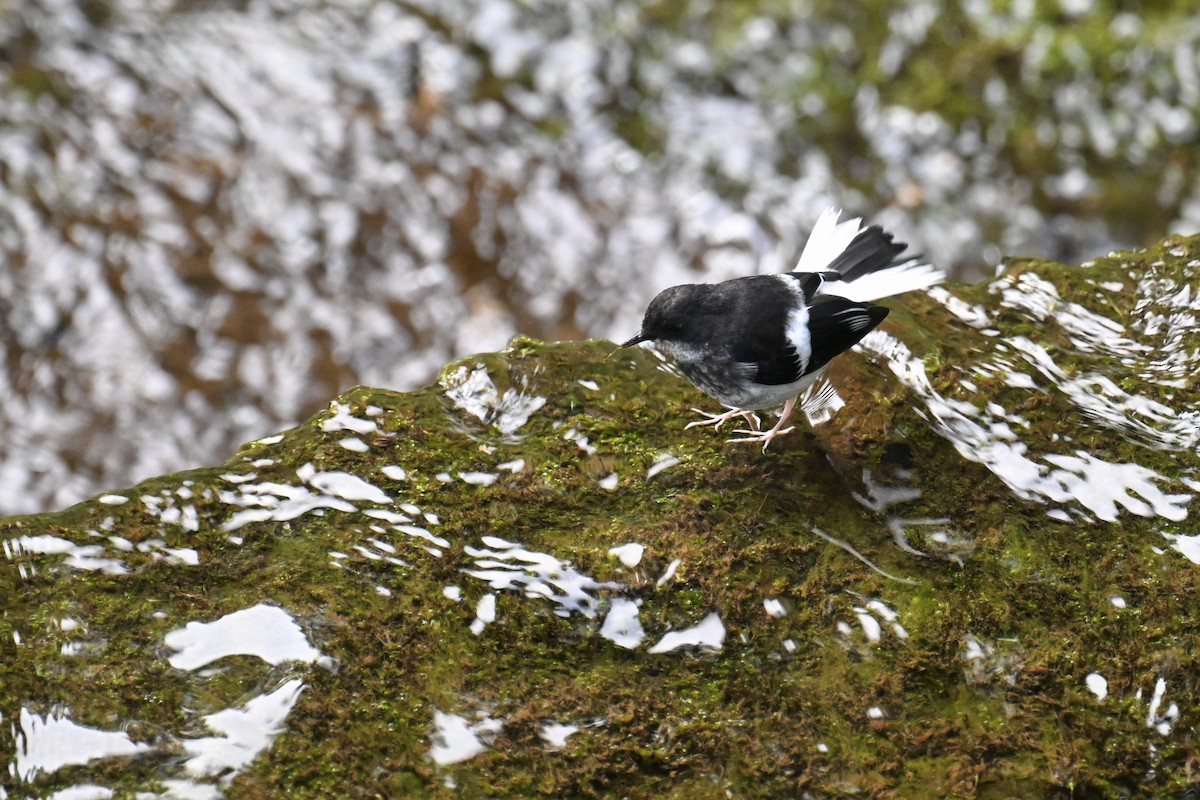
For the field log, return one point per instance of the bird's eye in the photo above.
(670, 328)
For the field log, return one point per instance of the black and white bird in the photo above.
(760, 341)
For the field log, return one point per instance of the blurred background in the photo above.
(215, 216)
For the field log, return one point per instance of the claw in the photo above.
(717, 420)
(766, 437)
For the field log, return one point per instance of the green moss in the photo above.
(761, 718)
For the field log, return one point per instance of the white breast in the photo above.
(772, 396)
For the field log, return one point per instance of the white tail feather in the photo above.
(906, 277)
(828, 240)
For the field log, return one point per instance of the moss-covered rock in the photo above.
(905, 601)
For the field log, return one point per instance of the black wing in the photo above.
(748, 316)
(780, 365)
(836, 324)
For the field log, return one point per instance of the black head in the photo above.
(669, 315)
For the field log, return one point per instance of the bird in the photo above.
(759, 341)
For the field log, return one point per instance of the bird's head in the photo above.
(668, 316)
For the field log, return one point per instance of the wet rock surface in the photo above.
(977, 579)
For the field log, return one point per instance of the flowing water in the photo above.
(216, 216)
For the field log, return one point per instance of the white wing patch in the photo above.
(797, 323)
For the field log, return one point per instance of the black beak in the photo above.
(636, 340)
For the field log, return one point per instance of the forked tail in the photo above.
(861, 263)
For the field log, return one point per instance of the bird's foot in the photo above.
(766, 437)
(717, 420)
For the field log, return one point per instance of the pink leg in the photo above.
(766, 437)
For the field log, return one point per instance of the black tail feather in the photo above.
(871, 250)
